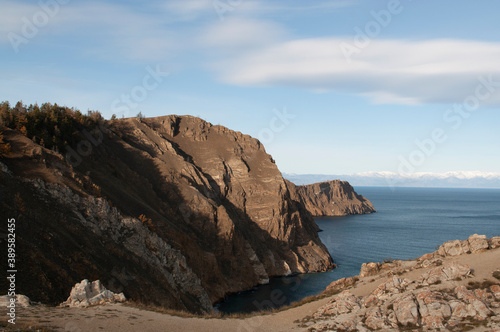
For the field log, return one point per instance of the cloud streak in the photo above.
(387, 71)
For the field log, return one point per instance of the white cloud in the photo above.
(387, 71)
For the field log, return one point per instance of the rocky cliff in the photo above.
(172, 207)
(332, 198)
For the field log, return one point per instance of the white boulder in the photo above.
(87, 293)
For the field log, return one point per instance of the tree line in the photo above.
(50, 125)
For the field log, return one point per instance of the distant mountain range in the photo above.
(456, 179)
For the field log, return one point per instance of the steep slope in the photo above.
(332, 198)
(201, 210)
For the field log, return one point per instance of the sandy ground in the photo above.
(118, 317)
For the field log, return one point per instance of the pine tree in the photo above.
(5, 147)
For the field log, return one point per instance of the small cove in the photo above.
(409, 223)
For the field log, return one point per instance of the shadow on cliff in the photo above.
(130, 178)
(59, 251)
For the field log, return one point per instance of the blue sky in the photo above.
(332, 87)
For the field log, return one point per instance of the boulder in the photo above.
(452, 248)
(451, 271)
(406, 310)
(376, 320)
(433, 309)
(476, 308)
(426, 257)
(341, 284)
(343, 303)
(21, 301)
(495, 289)
(494, 242)
(392, 286)
(369, 269)
(87, 293)
(478, 243)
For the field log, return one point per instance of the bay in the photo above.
(409, 223)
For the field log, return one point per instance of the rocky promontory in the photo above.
(171, 211)
(437, 291)
(332, 198)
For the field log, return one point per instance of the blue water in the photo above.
(409, 223)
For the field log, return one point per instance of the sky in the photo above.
(329, 87)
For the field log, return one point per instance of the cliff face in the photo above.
(332, 198)
(198, 211)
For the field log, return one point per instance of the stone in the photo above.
(343, 283)
(87, 293)
(451, 248)
(451, 271)
(369, 269)
(495, 289)
(433, 309)
(478, 243)
(494, 242)
(384, 291)
(21, 301)
(376, 320)
(426, 257)
(475, 307)
(458, 309)
(406, 310)
(343, 303)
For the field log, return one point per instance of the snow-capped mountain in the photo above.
(455, 179)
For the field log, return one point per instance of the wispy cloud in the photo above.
(106, 30)
(388, 71)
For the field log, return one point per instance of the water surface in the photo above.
(409, 223)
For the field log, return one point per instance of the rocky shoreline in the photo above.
(432, 292)
(450, 289)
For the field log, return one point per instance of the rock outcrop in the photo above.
(87, 293)
(20, 301)
(172, 207)
(332, 198)
(434, 300)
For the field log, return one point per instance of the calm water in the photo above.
(409, 223)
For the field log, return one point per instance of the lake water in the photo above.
(409, 223)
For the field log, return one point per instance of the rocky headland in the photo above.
(332, 198)
(172, 211)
